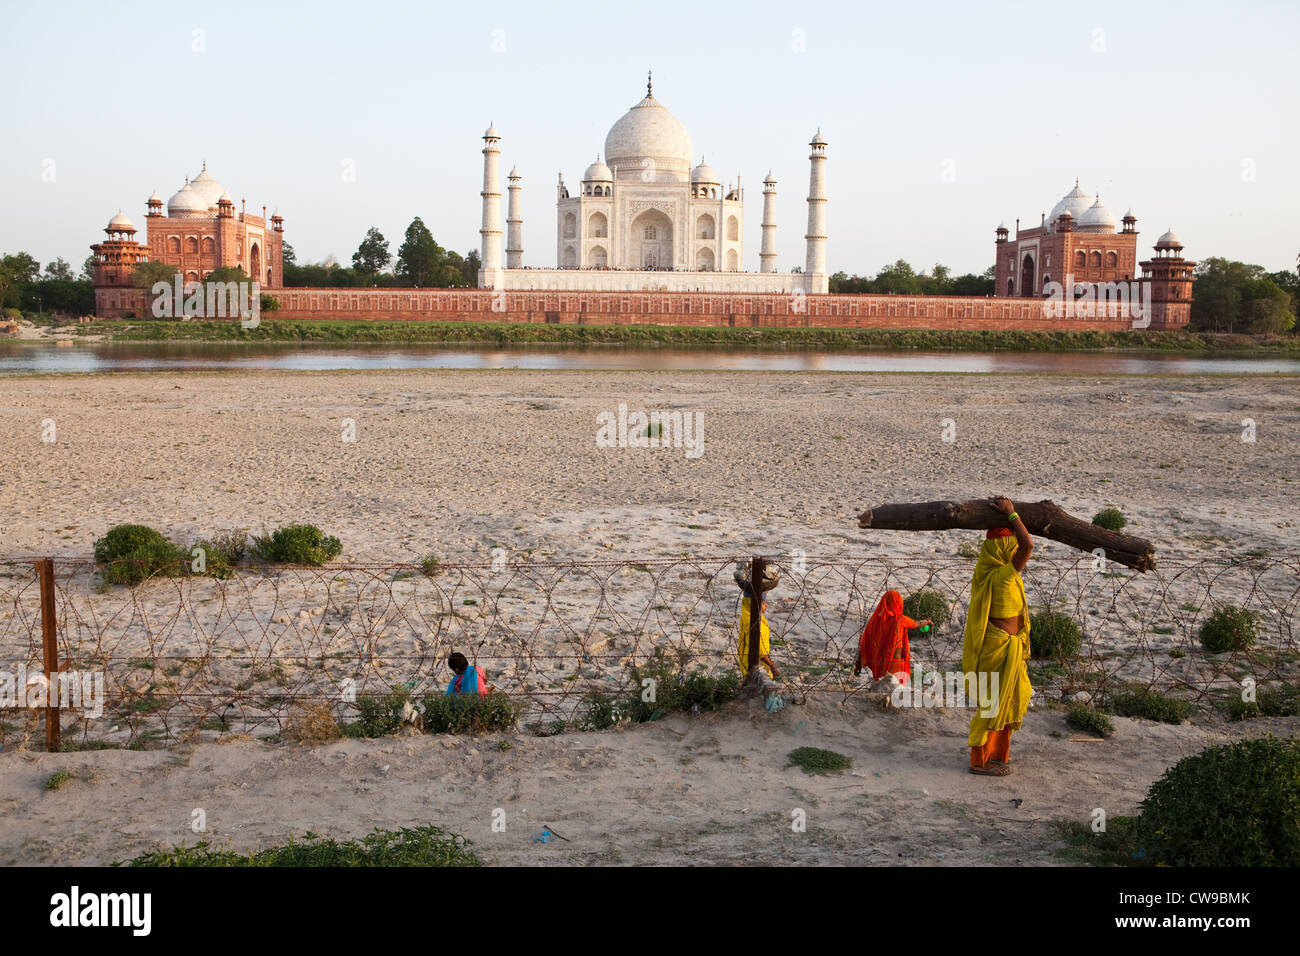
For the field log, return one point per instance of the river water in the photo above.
(28, 357)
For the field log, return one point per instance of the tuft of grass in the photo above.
(599, 711)
(1149, 704)
(1229, 628)
(1283, 701)
(1085, 718)
(297, 544)
(672, 688)
(311, 724)
(968, 551)
(815, 760)
(57, 779)
(222, 552)
(431, 565)
(408, 846)
(1117, 845)
(927, 603)
(1112, 519)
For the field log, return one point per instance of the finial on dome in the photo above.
(1076, 182)
(649, 83)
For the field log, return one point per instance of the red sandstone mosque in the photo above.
(199, 233)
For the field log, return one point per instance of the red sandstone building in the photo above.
(1077, 246)
(199, 233)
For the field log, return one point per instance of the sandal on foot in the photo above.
(992, 770)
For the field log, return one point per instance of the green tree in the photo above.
(59, 270)
(1232, 296)
(16, 270)
(899, 278)
(88, 269)
(420, 258)
(372, 255)
(146, 274)
(287, 256)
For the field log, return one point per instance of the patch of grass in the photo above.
(927, 603)
(57, 779)
(378, 715)
(673, 689)
(1229, 628)
(1054, 635)
(1149, 704)
(132, 553)
(815, 760)
(1091, 721)
(1283, 701)
(967, 550)
(599, 711)
(1112, 519)
(431, 565)
(222, 552)
(311, 724)
(1117, 845)
(297, 544)
(413, 846)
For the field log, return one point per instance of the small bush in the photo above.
(312, 724)
(814, 760)
(927, 603)
(222, 552)
(968, 551)
(1281, 701)
(1229, 628)
(378, 715)
(469, 713)
(415, 846)
(1231, 805)
(1112, 519)
(1117, 845)
(599, 711)
(297, 544)
(132, 553)
(431, 565)
(57, 779)
(676, 690)
(1149, 704)
(1084, 718)
(1052, 634)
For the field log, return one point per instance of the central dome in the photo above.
(649, 137)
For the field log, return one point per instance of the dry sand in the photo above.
(461, 462)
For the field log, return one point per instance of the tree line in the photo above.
(420, 263)
(900, 278)
(1238, 297)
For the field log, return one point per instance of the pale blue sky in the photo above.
(1187, 114)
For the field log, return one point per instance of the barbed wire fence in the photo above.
(186, 656)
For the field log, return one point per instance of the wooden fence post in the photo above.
(50, 643)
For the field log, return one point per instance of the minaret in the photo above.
(490, 233)
(514, 224)
(767, 252)
(815, 266)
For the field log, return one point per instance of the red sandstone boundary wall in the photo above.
(653, 308)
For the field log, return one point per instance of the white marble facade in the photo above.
(642, 218)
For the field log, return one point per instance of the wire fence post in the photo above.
(50, 643)
(757, 568)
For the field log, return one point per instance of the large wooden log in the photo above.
(1043, 518)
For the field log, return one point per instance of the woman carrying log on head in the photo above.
(996, 644)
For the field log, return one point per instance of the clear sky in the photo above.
(943, 118)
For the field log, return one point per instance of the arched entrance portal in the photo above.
(650, 245)
(1027, 276)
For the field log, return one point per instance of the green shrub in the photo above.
(1052, 634)
(1117, 845)
(57, 779)
(469, 713)
(1281, 701)
(674, 689)
(297, 544)
(378, 715)
(1150, 704)
(1112, 519)
(599, 711)
(431, 565)
(814, 760)
(222, 552)
(1229, 628)
(132, 553)
(967, 550)
(1231, 805)
(927, 603)
(1082, 717)
(414, 846)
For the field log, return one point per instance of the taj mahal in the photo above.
(644, 218)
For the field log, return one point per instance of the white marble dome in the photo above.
(704, 173)
(1075, 201)
(1097, 218)
(187, 202)
(207, 187)
(598, 172)
(648, 132)
(120, 223)
(1169, 241)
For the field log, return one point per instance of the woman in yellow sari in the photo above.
(996, 643)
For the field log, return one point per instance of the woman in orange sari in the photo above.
(883, 648)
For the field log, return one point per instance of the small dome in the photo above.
(1075, 202)
(1067, 215)
(225, 198)
(120, 223)
(1129, 216)
(1097, 218)
(817, 139)
(769, 181)
(491, 132)
(187, 202)
(598, 172)
(514, 173)
(704, 173)
(208, 188)
(1002, 226)
(154, 198)
(1169, 240)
